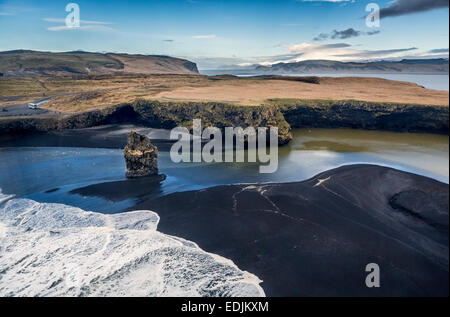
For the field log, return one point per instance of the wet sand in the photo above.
(315, 238)
(141, 188)
(112, 136)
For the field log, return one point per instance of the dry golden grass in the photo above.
(256, 92)
(103, 91)
(21, 90)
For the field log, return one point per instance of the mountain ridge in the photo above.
(38, 63)
(405, 66)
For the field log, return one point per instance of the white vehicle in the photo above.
(32, 105)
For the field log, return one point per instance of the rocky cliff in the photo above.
(220, 115)
(365, 115)
(284, 114)
(157, 114)
(141, 156)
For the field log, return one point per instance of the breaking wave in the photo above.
(59, 250)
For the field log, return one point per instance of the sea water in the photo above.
(59, 250)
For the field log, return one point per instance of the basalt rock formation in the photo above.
(365, 115)
(141, 156)
(161, 115)
(284, 114)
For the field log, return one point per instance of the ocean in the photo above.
(437, 82)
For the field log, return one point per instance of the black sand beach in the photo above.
(315, 238)
(106, 136)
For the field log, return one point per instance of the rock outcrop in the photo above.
(365, 115)
(284, 114)
(168, 115)
(141, 156)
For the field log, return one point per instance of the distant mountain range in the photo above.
(35, 63)
(406, 66)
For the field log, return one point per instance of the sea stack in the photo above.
(141, 156)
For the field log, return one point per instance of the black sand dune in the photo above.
(315, 238)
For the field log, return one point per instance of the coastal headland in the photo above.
(167, 101)
(309, 238)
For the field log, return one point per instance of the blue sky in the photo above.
(227, 33)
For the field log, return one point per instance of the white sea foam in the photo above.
(4, 197)
(58, 250)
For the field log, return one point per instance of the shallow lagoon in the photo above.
(53, 174)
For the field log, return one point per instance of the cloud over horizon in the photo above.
(84, 25)
(209, 36)
(376, 53)
(338, 52)
(341, 52)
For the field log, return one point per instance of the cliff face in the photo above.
(281, 114)
(366, 115)
(156, 114)
(170, 115)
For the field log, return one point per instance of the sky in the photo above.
(229, 33)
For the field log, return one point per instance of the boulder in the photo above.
(141, 156)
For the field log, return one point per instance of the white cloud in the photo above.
(81, 21)
(337, 52)
(84, 25)
(245, 64)
(340, 52)
(305, 51)
(81, 27)
(210, 36)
